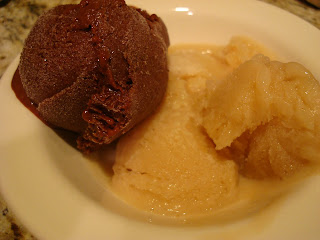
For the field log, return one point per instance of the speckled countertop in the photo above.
(16, 19)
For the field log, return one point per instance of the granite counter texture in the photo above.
(16, 19)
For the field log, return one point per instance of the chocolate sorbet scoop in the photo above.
(97, 68)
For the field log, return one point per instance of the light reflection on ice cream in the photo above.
(194, 156)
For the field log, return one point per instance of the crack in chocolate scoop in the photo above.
(96, 68)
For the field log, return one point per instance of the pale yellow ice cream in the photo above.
(179, 163)
(269, 113)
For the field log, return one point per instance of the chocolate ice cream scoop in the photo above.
(97, 68)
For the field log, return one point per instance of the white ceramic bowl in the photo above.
(56, 193)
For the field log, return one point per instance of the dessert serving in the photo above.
(233, 130)
(236, 129)
(96, 68)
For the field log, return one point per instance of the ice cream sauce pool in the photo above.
(200, 160)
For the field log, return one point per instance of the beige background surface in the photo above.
(16, 20)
